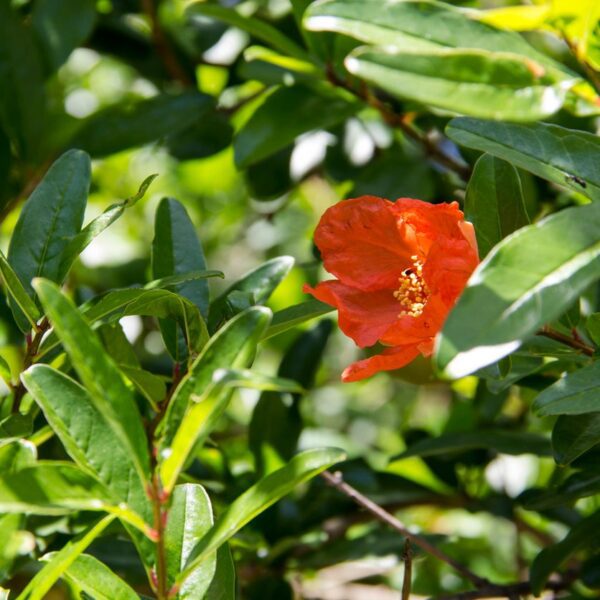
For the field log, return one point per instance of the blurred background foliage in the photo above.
(247, 118)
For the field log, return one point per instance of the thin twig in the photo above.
(336, 480)
(160, 515)
(565, 339)
(33, 344)
(401, 122)
(407, 581)
(512, 590)
(163, 47)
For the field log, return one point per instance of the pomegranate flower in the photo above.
(400, 267)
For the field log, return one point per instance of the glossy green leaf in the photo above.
(174, 281)
(17, 455)
(574, 394)
(98, 373)
(90, 439)
(494, 202)
(22, 99)
(550, 559)
(592, 326)
(223, 585)
(19, 296)
(95, 579)
(15, 542)
(288, 318)
(479, 83)
(78, 244)
(50, 219)
(126, 126)
(154, 302)
(258, 284)
(176, 250)
(270, 127)
(565, 156)
(234, 346)
(43, 581)
(151, 386)
(15, 426)
(255, 27)
(51, 488)
(204, 414)
(573, 435)
(507, 442)
(525, 282)
(190, 518)
(61, 26)
(258, 498)
(415, 26)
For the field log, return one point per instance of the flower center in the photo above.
(413, 291)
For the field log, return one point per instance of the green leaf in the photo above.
(494, 202)
(151, 386)
(61, 561)
(276, 422)
(255, 27)
(90, 440)
(176, 280)
(550, 559)
(19, 296)
(125, 126)
(190, 518)
(576, 393)
(565, 156)
(95, 579)
(592, 326)
(288, 318)
(15, 542)
(17, 455)
(259, 284)
(270, 127)
(204, 414)
(258, 498)
(14, 427)
(176, 250)
(78, 244)
(526, 281)
(578, 485)
(573, 435)
(506, 442)
(50, 218)
(417, 26)
(22, 98)
(233, 346)
(479, 83)
(156, 302)
(223, 585)
(51, 488)
(61, 26)
(98, 373)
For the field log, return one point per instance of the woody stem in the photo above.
(336, 481)
(566, 340)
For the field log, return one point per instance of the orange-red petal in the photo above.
(362, 316)
(362, 243)
(389, 360)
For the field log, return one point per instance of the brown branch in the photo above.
(565, 339)
(512, 590)
(336, 481)
(33, 344)
(407, 580)
(401, 122)
(163, 46)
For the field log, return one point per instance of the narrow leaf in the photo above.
(565, 156)
(190, 517)
(526, 281)
(494, 202)
(258, 498)
(50, 218)
(288, 318)
(61, 561)
(573, 435)
(98, 373)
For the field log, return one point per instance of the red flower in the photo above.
(400, 267)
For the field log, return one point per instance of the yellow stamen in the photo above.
(412, 292)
